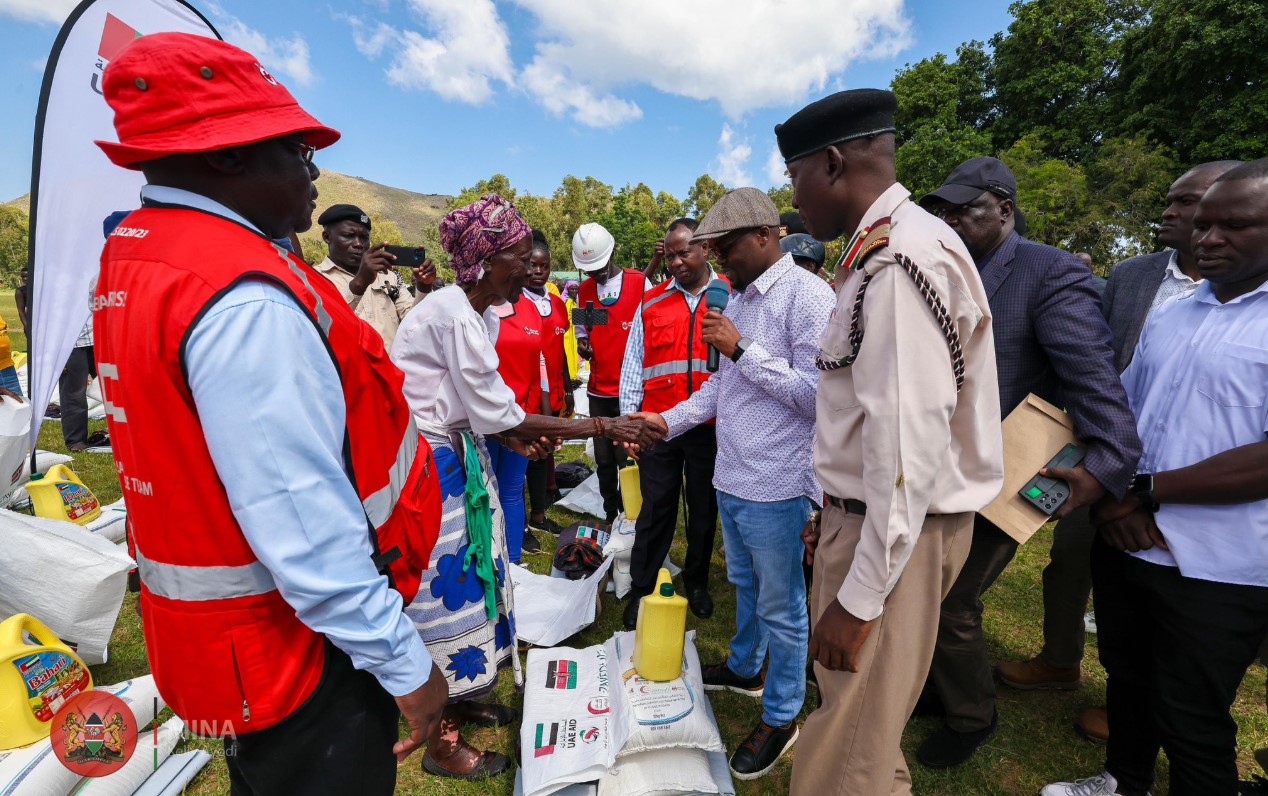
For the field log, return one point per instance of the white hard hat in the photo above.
(592, 247)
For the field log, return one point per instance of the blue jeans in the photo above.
(9, 380)
(509, 469)
(764, 552)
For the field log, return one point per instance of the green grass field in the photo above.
(1034, 745)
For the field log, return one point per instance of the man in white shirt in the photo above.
(1181, 564)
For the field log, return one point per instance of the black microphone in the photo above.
(716, 296)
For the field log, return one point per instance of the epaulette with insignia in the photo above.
(866, 242)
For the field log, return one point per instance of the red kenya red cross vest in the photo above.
(554, 327)
(519, 348)
(609, 341)
(675, 358)
(227, 652)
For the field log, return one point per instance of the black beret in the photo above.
(844, 116)
(336, 213)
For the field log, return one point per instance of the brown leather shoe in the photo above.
(1036, 674)
(1093, 724)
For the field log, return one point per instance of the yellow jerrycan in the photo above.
(60, 495)
(661, 632)
(38, 674)
(631, 492)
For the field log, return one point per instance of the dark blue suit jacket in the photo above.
(1051, 339)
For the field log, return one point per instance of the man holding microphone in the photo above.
(763, 397)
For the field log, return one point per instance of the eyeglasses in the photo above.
(722, 251)
(306, 152)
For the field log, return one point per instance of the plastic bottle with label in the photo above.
(631, 492)
(661, 632)
(38, 674)
(60, 495)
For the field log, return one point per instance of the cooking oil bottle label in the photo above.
(79, 501)
(51, 679)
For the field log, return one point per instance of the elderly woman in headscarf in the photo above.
(464, 609)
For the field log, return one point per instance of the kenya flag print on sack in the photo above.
(561, 674)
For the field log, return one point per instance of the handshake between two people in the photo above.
(540, 436)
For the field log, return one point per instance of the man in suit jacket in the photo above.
(1135, 288)
(1052, 340)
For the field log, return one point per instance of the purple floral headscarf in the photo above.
(472, 234)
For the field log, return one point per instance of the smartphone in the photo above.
(408, 256)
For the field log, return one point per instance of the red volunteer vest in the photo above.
(519, 348)
(554, 327)
(609, 341)
(228, 653)
(675, 360)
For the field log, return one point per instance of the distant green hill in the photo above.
(412, 212)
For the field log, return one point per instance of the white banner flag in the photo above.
(73, 185)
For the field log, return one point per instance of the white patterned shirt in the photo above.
(1174, 283)
(765, 403)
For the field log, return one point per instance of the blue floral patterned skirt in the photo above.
(449, 610)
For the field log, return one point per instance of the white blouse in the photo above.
(451, 369)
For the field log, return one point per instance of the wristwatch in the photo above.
(1142, 486)
(740, 348)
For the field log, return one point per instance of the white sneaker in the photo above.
(1102, 784)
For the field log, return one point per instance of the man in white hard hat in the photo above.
(616, 293)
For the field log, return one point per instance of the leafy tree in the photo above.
(14, 244)
(1194, 77)
(1056, 71)
(1128, 178)
(579, 201)
(782, 197)
(668, 209)
(703, 195)
(947, 94)
(932, 151)
(632, 222)
(499, 184)
(1052, 195)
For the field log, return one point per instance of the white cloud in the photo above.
(745, 56)
(288, 57)
(776, 171)
(38, 10)
(559, 92)
(467, 49)
(733, 157)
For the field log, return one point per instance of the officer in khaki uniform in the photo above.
(365, 275)
(907, 447)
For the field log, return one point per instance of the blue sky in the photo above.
(433, 95)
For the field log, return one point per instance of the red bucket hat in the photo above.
(176, 92)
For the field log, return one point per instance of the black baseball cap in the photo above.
(972, 178)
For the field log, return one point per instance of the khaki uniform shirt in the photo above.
(376, 307)
(892, 430)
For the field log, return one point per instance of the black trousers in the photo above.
(536, 477)
(1175, 650)
(72, 389)
(661, 471)
(961, 673)
(339, 742)
(607, 455)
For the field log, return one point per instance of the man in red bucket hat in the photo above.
(238, 381)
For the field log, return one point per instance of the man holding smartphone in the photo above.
(366, 275)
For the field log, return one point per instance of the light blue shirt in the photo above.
(631, 396)
(765, 403)
(1197, 384)
(272, 411)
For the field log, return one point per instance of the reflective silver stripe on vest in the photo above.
(200, 584)
(378, 507)
(669, 368)
(323, 317)
(658, 299)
